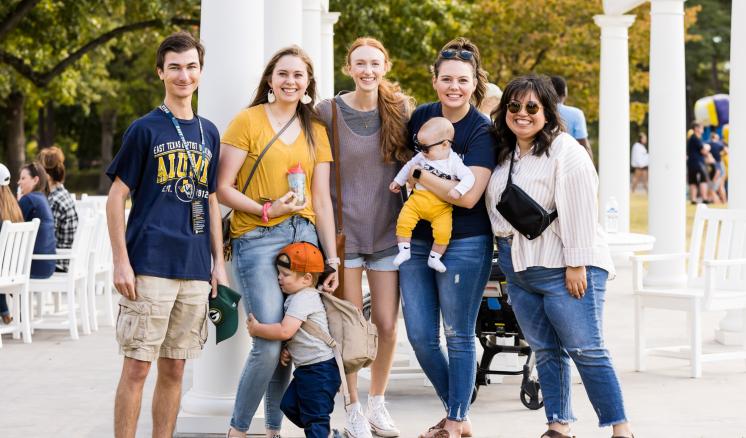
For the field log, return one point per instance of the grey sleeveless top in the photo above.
(369, 210)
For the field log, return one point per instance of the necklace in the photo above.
(273, 118)
(370, 118)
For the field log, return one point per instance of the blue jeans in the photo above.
(254, 264)
(309, 400)
(455, 295)
(559, 327)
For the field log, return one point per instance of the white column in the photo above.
(613, 144)
(325, 74)
(730, 326)
(667, 203)
(283, 25)
(312, 35)
(233, 64)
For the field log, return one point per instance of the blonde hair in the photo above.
(393, 106)
(9, 209)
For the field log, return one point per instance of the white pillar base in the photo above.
(729, 331)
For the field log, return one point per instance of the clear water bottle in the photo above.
(611, 215)
(297, 183)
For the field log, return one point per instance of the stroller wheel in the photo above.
(531, 395)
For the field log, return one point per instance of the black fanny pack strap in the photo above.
(259, 158)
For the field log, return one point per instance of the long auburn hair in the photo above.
(516, 89)
(393, 106)
(9, 209)
(306, 112)
(480, 74)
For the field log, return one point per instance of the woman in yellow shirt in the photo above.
(269, 216)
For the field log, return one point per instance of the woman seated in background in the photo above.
(9, 211)
(33, 190)
(60, 202)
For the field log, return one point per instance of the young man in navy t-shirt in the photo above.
(170, 258)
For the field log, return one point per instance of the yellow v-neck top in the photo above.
(250, 131)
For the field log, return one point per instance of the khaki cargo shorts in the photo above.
(168, 319)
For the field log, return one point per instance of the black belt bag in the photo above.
(521, 211)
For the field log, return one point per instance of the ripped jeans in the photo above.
(454, 295)
(558, 328)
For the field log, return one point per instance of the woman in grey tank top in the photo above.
(371, 125)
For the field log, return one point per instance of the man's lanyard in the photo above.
(189, 188)
(195, 170)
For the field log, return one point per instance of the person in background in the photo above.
(695, 165)
(9, 211)
(491, 99)
(372, 129)
(639, 163)
(60, 201)
(718, 175)
(573, 118)
(33, 189)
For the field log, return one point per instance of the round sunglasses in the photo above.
(462, 54)
(531, 107)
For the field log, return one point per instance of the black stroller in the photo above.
(497, 320)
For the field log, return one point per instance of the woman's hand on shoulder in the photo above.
(575, 281)
(285, 205)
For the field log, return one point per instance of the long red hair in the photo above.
(393, 106)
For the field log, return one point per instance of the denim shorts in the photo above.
(382, 260)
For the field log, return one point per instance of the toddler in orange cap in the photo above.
(309, 399)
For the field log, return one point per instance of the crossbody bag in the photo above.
(226, 222)
(522, 211)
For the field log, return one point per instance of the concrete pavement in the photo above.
(63, 388)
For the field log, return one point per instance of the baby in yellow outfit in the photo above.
(435, 156)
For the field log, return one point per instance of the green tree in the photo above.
(55, 52)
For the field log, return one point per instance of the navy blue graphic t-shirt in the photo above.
(34, 205)
(154, 165)
(476, 146)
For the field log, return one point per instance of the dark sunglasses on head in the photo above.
(461, 54)
(419, 147)
(531, 107)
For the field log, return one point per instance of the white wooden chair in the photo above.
(16, 247)
(72, 283)
(100, 272)
(716, 281)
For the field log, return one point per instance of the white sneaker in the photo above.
(357, 425)
(379, 418)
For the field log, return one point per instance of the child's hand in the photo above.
(251, 324)
(285, 357)
(454, 194)
(394, 187)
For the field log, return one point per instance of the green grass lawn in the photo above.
(638, 214)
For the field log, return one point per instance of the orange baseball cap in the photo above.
(302, 257)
